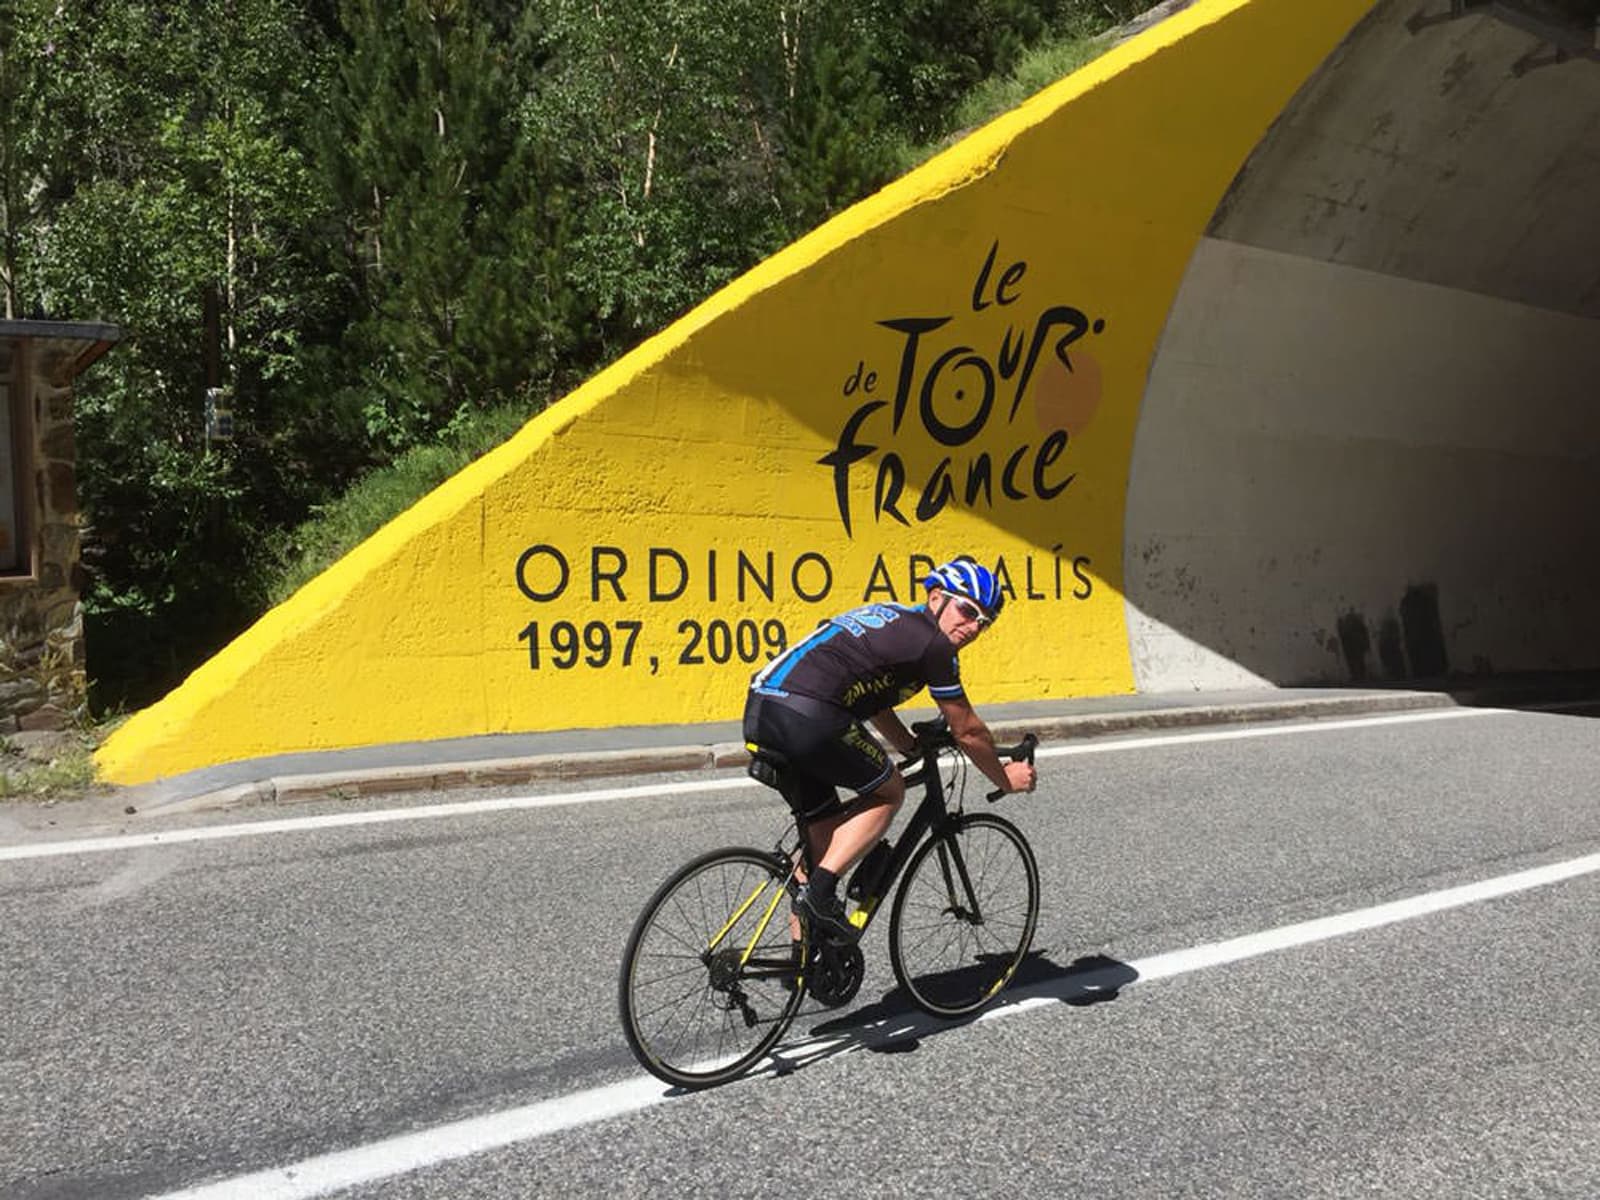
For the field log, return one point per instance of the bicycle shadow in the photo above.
(892, 1024)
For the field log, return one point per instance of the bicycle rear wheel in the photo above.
(710, 977)
(964, 915)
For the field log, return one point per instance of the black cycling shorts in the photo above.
(825, 746)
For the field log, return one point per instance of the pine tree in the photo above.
(836, 140)
(455, 225)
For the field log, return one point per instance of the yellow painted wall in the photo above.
(610, 564)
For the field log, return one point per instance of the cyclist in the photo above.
(808, 705)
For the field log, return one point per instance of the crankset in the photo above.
(837, 969)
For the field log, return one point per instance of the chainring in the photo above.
(837, 969)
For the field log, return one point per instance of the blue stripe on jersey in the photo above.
(778, 669)
(949, 693)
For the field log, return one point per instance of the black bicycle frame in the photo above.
(930, 817)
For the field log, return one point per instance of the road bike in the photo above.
(715, 968)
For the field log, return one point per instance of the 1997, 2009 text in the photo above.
(564, 644)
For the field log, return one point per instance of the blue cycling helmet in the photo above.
(964, 577)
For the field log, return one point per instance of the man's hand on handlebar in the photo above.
(1020, 777)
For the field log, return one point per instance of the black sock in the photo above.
(824, 883)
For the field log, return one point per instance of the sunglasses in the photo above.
(971, 612)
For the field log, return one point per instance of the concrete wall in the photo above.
(956, 364)
(1370, 441)
(1320, 443)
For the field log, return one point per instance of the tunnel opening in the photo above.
(1370, 437)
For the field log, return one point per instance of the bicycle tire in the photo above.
(697, 1014)
(949, 963)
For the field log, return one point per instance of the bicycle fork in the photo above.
(950, 855)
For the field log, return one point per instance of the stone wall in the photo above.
(41, 617)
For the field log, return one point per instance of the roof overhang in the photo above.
(78, 344)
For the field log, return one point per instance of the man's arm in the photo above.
(894, 731)
(975, 740)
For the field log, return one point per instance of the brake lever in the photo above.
(1021, 752)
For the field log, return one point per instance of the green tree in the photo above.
(697, 137)
(455, 229)
(837, 142)
(24, 56)
(642, 98)
(932, 52)
(182, 174)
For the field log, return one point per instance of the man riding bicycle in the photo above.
(809, 703)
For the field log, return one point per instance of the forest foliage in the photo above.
(374, 221)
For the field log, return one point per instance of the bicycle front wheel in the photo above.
(964, 915)
(711, 977)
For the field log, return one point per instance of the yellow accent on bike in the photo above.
(1000, 983)
(761, 926)
(739, 912)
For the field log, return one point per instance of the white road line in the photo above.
(394, 1156)
(217, 833)
(1262, 731)
(214, 833)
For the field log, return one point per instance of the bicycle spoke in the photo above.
(683, 1011)
(671, 1003)
(687, 981)
(694, 961)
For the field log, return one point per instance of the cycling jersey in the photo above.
(866, 660)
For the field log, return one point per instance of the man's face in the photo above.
(959, 619)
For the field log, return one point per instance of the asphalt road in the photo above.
(196, 1012)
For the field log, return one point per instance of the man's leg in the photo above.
(839, 842)
(836, 844)
(841, 753)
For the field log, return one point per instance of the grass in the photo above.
(1038, 68)
(383, 494)
(71, 771)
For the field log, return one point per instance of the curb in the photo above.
(503, 772)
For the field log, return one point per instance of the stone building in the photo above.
(41, 615)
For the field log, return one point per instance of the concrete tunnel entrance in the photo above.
(1369, 440)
